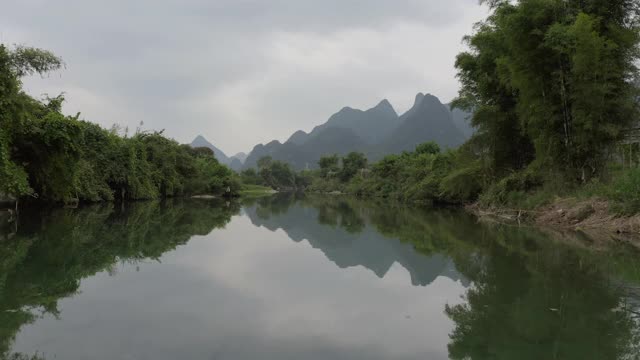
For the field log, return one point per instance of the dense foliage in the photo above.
(275, 174)
(552, 84)
(45, 154)
(425, 174)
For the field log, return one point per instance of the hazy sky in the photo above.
(240, 72)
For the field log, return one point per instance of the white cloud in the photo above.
(241, 72)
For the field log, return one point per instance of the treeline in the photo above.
(47, 155)
(280, 175)
(277, 175)
(426, 174)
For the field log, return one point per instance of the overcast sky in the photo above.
(240, 72)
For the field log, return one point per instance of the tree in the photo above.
(552, 81)
(430, 147)
(202, 151)
(14, 109)
(282, 175)
(251, 177)
(264, 162)
(59, 158)
(351, 164)
(329, 165)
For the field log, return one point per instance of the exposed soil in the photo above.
(566, 217)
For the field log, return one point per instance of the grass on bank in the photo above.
(621, 188)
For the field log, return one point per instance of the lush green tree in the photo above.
(351, 164)
(555, 74)
(46, 144)
(251, 177)
(282, 176)
(201, 151)
(329, 165)
(15, 110)
(304, 179)
(430, 147)
(276, 174)
(264, 162)
(54, 157)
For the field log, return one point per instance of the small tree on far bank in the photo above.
(351, 164)
(329, 165)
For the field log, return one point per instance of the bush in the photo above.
(463, 185)
(626, 192)
(511, 189)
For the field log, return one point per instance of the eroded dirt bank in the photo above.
(569, 219)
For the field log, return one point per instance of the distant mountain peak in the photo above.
(201, 141)
(376, 132)
(384, 104)
(346, 109)
(241, 156)
(431, 99)
(298, 137)
(199, 138)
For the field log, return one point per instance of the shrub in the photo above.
(511, 188)
(626, 192)
(463, 185)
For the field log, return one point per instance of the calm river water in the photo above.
(292, 277)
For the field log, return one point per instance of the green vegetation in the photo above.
(425, 174)
(255, 190)
(276, 175)
(47, 155)
(552, 88)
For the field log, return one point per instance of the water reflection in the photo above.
(53, 250)
(247, 292)
(344, 230)
(532, 297)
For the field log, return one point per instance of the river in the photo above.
(295, 277)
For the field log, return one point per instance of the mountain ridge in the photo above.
(376, 132)
(201, 141)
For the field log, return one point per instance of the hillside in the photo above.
(427, 120)
(376, 132)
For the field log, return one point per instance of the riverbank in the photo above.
(600, 217)
(7, 208)
(593, 216)
(256, 190)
